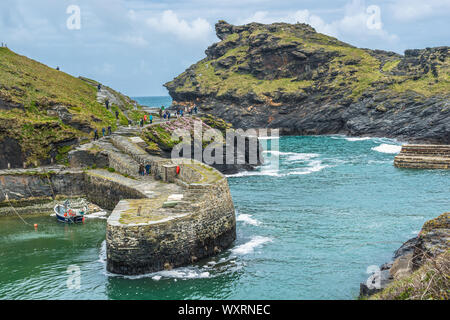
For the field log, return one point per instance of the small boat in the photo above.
(64, 213)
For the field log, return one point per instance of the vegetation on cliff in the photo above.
(159, 140)
(43, 111)
(264, 59)
(159, 136)
(423, 273)
(289, 76)
(429, 282)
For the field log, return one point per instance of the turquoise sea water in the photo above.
(154, 102)
(308, 230)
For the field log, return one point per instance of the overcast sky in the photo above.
(135, 46)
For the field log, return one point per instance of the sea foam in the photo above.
(388, 148)
(247, 218)
(250, 246)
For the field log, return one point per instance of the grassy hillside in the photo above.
(46, 111)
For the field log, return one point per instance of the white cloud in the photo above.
(169, 22)
(358, 20)
(409, 10)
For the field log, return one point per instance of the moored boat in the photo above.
(66, 214)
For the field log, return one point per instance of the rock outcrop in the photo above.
(430, 249)
(288, 76)
(229, 151)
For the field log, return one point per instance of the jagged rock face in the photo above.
(11, 153)
(303, 82)
(246, 151)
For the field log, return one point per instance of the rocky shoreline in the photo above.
(432, 243)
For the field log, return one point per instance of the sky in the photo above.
(135, 46)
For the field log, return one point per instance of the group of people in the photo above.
(104, 132)
(144, 169)
(146, 119)
(166, 115)
(4, 45)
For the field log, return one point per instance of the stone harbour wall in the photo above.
(28, 188)
(423, 157)
(106, 193)
(192, 230)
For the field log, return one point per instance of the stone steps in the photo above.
(426, 150)
(127, 146)
(423, 157)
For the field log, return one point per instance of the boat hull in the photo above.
(78, 219)
(61, 215)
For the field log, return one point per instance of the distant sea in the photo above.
(155, 101)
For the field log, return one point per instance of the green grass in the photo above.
(36, 89)
(390, 65)
(357, 70)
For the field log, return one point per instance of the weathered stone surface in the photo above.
(199, 226)
(423, 157)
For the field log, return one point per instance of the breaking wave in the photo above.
(387, 148)
(250, 246)
(358, 139)
(247, 218)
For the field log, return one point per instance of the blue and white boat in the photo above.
(64, 213)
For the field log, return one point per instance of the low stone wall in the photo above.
(424, 157)
(201, 226)
(106, 193)
(29, 188)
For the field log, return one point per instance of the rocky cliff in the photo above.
(291, 77)
(245, 152)
(45, 112)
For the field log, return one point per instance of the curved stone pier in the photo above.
(174, 228)
(169, 219)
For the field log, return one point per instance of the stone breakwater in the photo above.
(423, 157)
(195, 220)
(179, 214)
